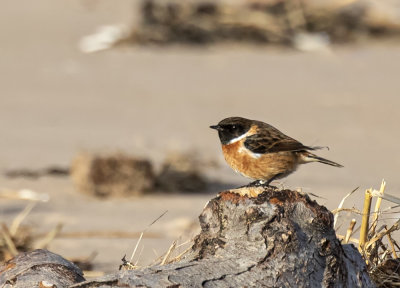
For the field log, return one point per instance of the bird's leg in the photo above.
(247, 185)
(263, 183)
(256, 183)
(273, 178)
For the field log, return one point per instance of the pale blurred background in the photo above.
(147, 100)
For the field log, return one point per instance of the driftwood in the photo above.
(39, 268)
(279, 238)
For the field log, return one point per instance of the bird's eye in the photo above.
(233, 126)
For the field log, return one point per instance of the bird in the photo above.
(261, 152)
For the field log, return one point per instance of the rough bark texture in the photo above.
(279, 238)
(39, 268)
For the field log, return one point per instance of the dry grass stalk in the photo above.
(387, 274)
(8, 240)
(16, 238)
(140, 254)
(352, 210)
(377, 207)
(19, 238)
(376, 245)
(129, 265)
(166, 257)
(349, 231)
(380, 235)
(44, 243)
(172, 250)
(20, 217)
(374, 249)
(379, 251)
(365, 220)
(179, 256)
(390, 239)
(336, 211)
(136, 246)
(352, 240)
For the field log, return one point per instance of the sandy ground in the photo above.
(57, 101)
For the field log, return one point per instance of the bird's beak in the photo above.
(216, 127)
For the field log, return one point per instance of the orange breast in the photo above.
(259, 166)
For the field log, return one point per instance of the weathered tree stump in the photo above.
(279, 238)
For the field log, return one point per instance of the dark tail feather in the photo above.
(309, 157)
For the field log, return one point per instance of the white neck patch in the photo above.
(237, 139)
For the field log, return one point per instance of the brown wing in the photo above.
(269, 140)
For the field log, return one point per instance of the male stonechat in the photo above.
(261, 152)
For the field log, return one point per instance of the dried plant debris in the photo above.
(306, 25)
(56, 171)
(181, 172)
(131, 265)
(11, 245)
(112, 175)
(127, 265)
(377, 245)
(17, 238)
(120, 174)
(387, 274)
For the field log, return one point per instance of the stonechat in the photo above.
(261, 152)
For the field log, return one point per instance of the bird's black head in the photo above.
(231, 128)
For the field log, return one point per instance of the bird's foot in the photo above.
(259, 183)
